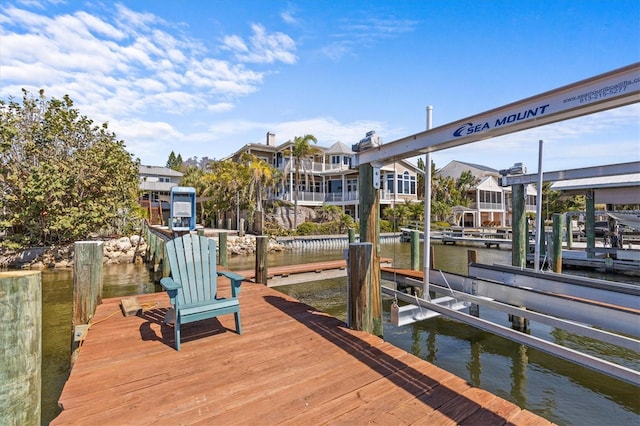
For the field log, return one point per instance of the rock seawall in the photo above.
(116, 251)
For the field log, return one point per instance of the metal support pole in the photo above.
(427, 212)
(539, 228)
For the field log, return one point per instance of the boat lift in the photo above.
(610, 90)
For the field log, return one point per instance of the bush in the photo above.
(440, 225)
(307, 228)
(386, 226)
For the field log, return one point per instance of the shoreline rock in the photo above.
(116, 251)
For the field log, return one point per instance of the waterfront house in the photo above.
(327, 177)
(155, 184)
(491, 204)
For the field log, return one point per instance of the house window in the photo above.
(346, 160)
(406, 185)
(490, 199)
(390, 186)
(335, 186)
(531, 200)
(352, 185)
(335, 159)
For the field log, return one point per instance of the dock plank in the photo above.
(292, 365)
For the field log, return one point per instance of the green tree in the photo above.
(62, 177)
(330, 213)
(416, 211)
(420, 178)
(397, 215)
(464, 183)
(301, 150)
(262, 178)
(175, 161)
(194, 177)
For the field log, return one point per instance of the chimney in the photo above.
(271, 139)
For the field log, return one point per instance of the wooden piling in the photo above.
(21, 342)
(569, 228)
(519, 236)
(590, 223)
(352, 235)
(558, 225)
(222, 249)
(261, 259)
(370, 232)
(359, 293)
(87, 280)
(519, 242)
(415, 250)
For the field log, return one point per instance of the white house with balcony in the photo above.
(326, 178)
(492, 204)
(155, 184)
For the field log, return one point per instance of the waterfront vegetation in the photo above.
(62, 177)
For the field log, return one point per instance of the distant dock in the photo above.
(292, 365)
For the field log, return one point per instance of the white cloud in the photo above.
(117, 64)
(357, 33)
(327, 130)
(235, 43)
(263, 47)
(288, 16)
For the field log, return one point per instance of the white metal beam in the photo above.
(585, 172)
(606, 91)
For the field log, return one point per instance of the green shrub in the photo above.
(440, 225)
(307, 228)
(386, 226)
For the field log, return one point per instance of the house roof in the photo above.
(158, 171)
(477, 166)
(339, 148)
(620, 189)
(455, 168)
(618, 181)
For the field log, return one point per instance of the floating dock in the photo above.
(292, 365)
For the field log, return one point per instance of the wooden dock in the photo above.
(305, 272)
(292, 365)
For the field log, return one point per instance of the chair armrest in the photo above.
(236, 280)
(169, 284)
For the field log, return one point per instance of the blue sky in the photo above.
(203, 78)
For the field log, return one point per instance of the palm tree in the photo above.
(262, 176)
(301, 149)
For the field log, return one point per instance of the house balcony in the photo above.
(313, 167)
(487, 206)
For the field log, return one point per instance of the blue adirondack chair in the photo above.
(192, 287)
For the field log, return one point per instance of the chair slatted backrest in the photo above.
(193, 264)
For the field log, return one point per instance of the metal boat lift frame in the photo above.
(610, 90)
(600, 93)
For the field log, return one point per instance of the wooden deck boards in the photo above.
(292, 365)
